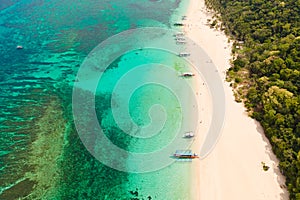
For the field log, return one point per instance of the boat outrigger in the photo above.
(185, 154)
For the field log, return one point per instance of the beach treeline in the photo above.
(265, 72)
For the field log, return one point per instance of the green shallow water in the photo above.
(41, 155)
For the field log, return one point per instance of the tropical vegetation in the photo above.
(265, 72)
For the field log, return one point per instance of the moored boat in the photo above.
(189, 134)
(187, 74)
(185, 154)
(180, 39)
(179, 34)
(180, 42)
(178, 24)
(184, 54)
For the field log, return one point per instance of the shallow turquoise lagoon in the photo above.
(41, 155)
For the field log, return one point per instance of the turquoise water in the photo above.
(41, 155)
(139, 70)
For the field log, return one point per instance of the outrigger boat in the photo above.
(180, 42)
(179, 34)
(189, 134)
(183, 54)
(187, 74)
(185, 154)
(180, 39)
(178, 24)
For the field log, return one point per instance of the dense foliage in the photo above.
(266, 66)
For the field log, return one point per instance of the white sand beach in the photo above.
(233, 170)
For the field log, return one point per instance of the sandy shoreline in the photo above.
(233, 170)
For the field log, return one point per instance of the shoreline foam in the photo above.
(233, 170)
